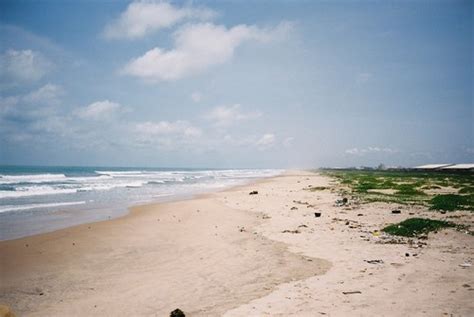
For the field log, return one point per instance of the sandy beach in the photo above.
(234, 254)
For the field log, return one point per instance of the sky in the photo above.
(264, 84)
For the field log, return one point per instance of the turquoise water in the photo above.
(39, 199)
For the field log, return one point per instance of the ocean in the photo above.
(41, 199)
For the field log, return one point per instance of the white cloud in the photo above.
(165, 128)
(267, 141)
(227, 115)
(196, 96)
(49, 94)
(35, 116)
(144, 17)
(39, 103)
(100, 110)
(370, 149)
(196, 48)
(24, 65)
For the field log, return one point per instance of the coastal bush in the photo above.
(416, 226)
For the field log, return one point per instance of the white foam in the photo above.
(35, 191)
(108, 180)
(32, 178)
(120, 173)
(33, 206)
(111, 185)
(89, 178)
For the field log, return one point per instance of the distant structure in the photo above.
(459, 167)
(467, 167)
(446, 168)
(431, 167)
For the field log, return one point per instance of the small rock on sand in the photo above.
(177, 313)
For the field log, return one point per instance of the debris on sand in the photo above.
(374, 261)
(352, 292)
(300, 202)
(177, 313)
(341, 202)
(291, 231)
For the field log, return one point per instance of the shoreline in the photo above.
(229, 253)
(38, 268)
(115, 211)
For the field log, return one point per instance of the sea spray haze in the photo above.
(38, 199)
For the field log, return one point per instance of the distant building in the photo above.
(459, 167)
(466, 167)
(431, 167)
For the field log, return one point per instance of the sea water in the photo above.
(41, 199)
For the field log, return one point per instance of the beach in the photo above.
(233, 254)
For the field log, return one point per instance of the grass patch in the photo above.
(407, 186)
(451, 202)
(467, 190)
(409, 190)
(416, 226)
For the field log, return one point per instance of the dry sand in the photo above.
(235, 254)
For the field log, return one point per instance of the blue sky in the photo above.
(236, 83)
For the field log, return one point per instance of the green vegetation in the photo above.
(408, 190)
(467, 190)
(438, 191)
(415, 226)
(450, 202)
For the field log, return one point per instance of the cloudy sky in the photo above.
(236, 83)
